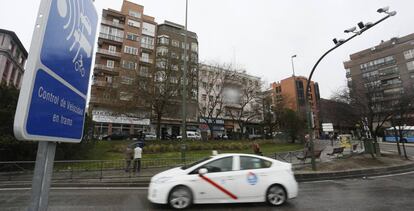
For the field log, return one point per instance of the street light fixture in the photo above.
(293, 67)
(363, 27)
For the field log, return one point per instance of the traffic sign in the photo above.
(52, 99)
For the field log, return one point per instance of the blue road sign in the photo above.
(52, 100)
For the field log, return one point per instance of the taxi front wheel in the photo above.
(276, 195)
(180, 198)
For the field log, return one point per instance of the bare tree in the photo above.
(245, 104)
(212, 80)
(402, 110)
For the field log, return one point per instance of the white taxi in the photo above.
(225, 178)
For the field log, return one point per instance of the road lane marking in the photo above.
(218, 186)
(392, 175)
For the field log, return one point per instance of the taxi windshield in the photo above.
(194, 163)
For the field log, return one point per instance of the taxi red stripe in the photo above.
(218, 186)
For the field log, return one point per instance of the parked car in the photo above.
(191, 135)
(255, 136)
(150, 136)
(225, 178)
(115, 136)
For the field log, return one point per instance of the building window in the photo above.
(144, 71)
(132, 36)
(162, 51)
(130, 65)
(110, 63)
(163, 40)
(210, 98)
(410, 66)
(112, 48)
(112, 33)
(204, 97)
(127, 80)
(147, 42)
(175, 43)
(183, 44)
(134, 14)
(194, 47)
(19, 76)
(174, 80)
(131, 50)
(148, 29)
(125, 96)
(409, 54)
(134, 23)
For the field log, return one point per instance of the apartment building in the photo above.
(226, 98)
(13, 57)
(168, 77)
(290, 93)
(383, 73)
(123, 71)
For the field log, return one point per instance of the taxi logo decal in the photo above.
(252, 178)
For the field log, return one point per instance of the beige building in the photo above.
(13, 58)
(226, 97)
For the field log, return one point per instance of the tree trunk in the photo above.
(398, 141)
(158, 126)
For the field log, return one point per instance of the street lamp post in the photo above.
(293, 66)
(184, 90)
(363, 27)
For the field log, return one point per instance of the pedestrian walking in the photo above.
(256, 148)
(307, 143)
(137, 159)
(129, 156)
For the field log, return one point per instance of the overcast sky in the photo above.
(260, 35)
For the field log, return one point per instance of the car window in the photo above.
(219, 165)
(247, 162)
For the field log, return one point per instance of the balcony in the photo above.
(146, 46)
(101, 100)
(109, 53)
(111, 23)
(111, 37)
(107, 70)
(146, 60)
(105, 84)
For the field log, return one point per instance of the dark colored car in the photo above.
(115, 136)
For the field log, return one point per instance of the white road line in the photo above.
(81, 188)
(318, 181)
(392, 175)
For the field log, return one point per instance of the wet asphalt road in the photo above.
(393, 148)
(380, 193)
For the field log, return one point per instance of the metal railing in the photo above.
(22, 171)
(108, 52)
(108, 22)
(111, 37)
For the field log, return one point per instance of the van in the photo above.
(191, 135)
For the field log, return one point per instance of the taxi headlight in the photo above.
(162, 180)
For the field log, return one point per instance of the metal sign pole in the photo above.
(42, 176)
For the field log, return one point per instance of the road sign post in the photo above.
(52, 100)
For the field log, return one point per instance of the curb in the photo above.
(300, 177)
(307, 177)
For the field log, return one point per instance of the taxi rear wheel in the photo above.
(180, 197)
(276, 195)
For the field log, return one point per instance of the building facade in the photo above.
(229, 102)
(169, 76)
(123, 71)
(13, 58)
(290, 93)
(384, 73)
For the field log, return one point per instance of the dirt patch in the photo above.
(357, 162)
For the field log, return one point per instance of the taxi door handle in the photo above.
(230, 178)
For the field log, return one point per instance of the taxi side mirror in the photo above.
(202, 171)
